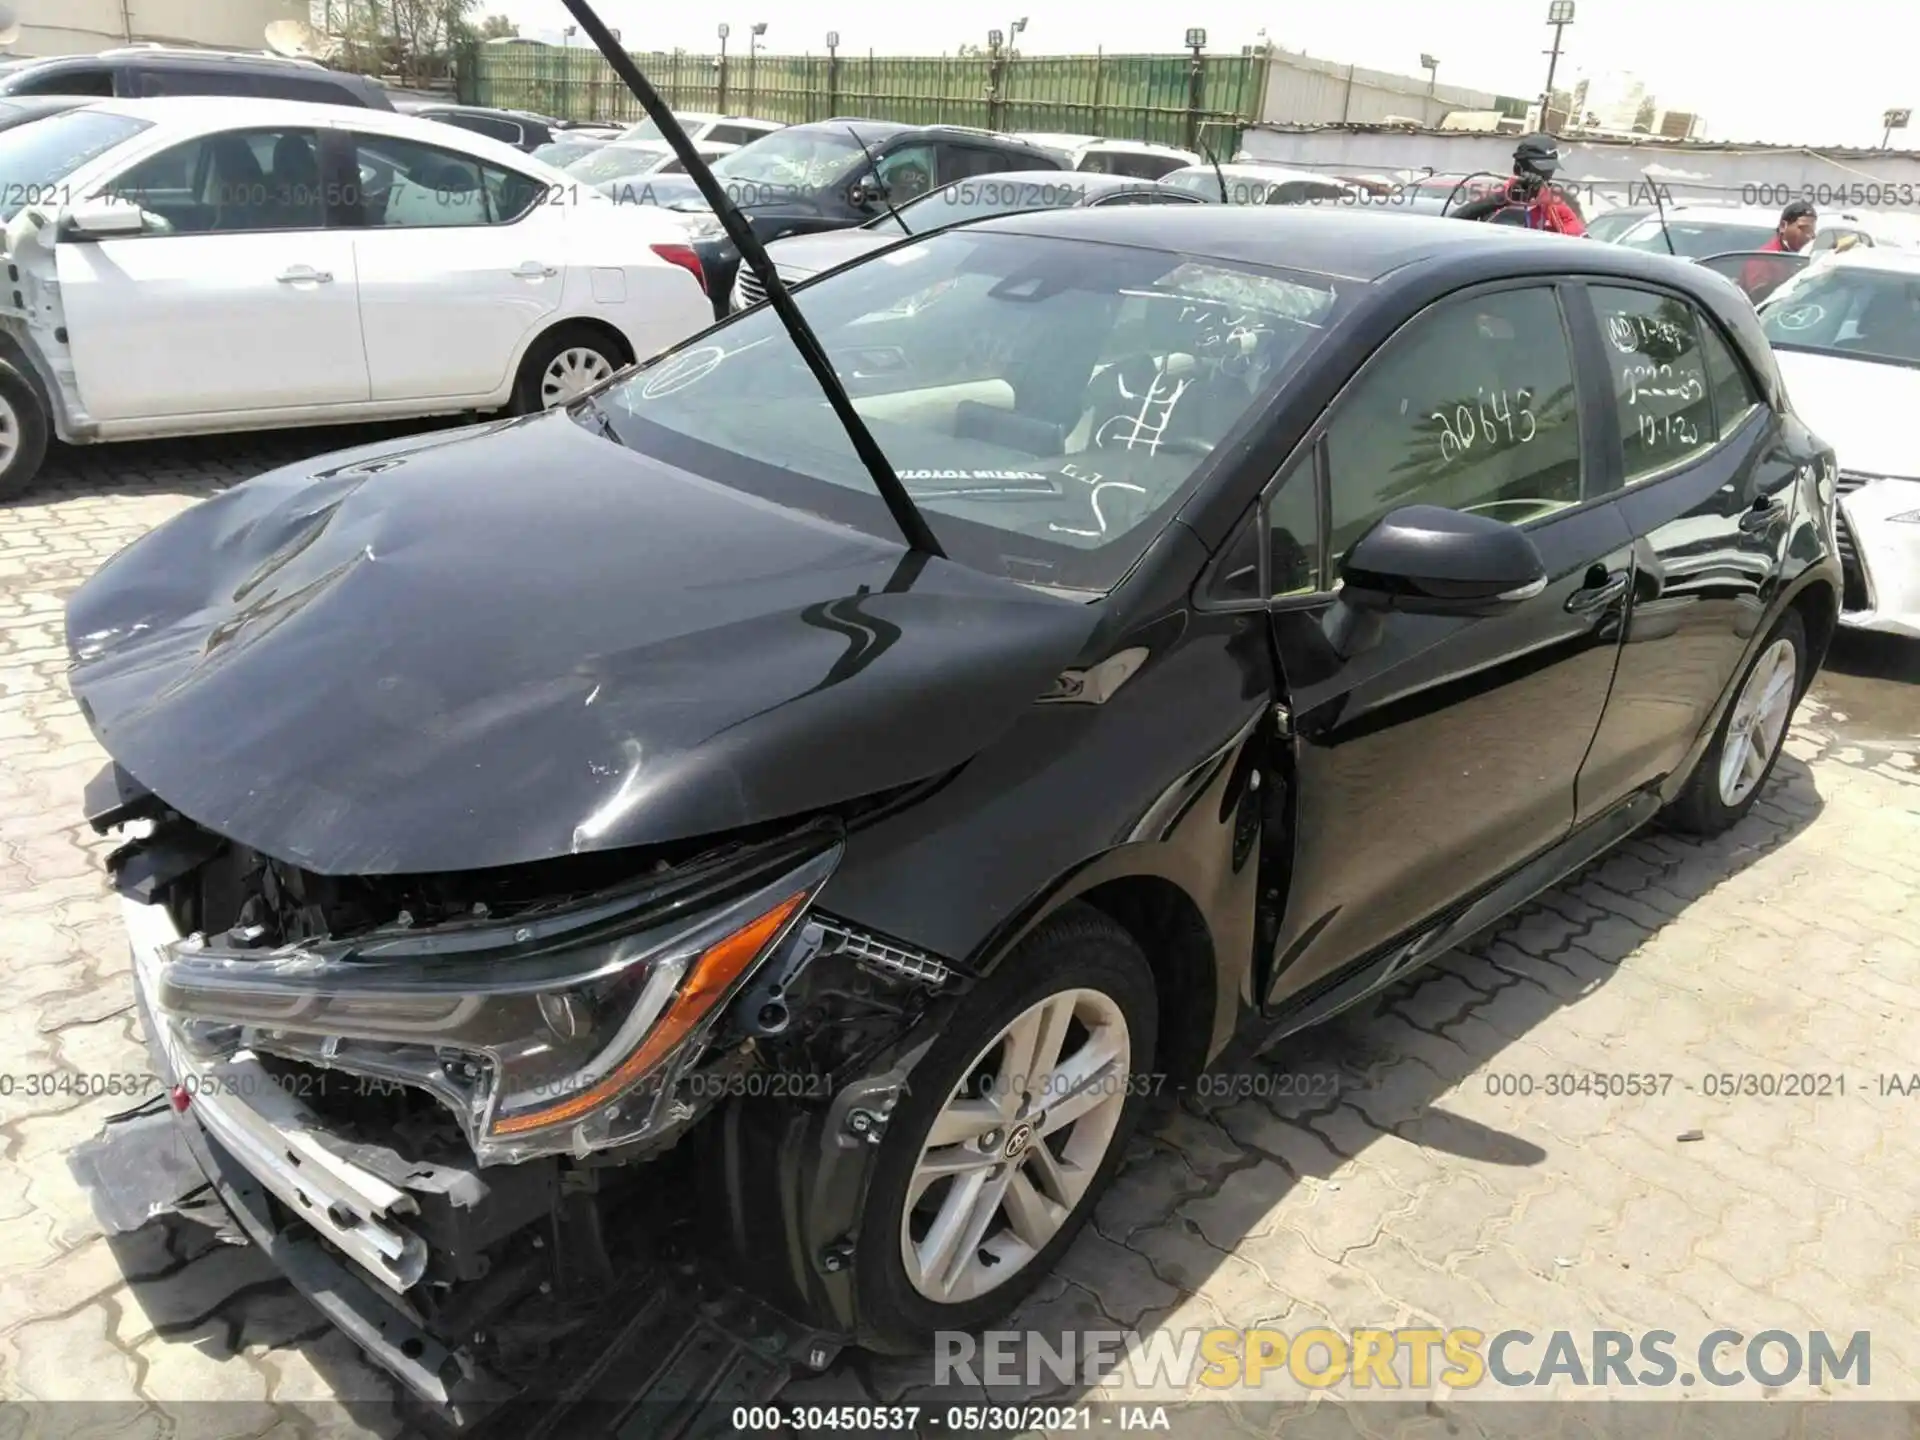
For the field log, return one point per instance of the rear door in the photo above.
(460, 264)
(1708, 472)
(1440, 752)
(239, 297)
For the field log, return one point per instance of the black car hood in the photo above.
(521, 640)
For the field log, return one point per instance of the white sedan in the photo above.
(191, 265)
(1846, 334)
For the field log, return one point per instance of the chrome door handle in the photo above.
(298, 273)
(534, 270)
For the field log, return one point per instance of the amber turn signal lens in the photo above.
(711, 977)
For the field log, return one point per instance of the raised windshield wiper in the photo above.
(913, 525)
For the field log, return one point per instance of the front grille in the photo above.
(747, 289)
(1852, 480)
(1853, 575)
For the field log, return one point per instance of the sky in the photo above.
(1754, 69)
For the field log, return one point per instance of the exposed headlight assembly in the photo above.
(557, 1034)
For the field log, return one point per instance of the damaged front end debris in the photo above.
(429, 1096)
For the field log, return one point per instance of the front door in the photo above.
(460, 265)
(1708, 473)
(1440, 752)
(237, 298)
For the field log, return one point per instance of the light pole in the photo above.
(1432, 67)
(1891, 121)
(1197, 88)
(1559, 15)
(753, 63)
(1013, 32)
(723, 31)
(833, 72)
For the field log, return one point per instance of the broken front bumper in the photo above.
(218, 1129)
(263, 1124)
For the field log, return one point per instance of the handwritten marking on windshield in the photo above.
(1146, 427)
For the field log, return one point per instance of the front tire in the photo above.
(23, 432)
(1746, 747)
(1012, 1126)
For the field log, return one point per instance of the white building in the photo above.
(80, 27)
(1614, 101)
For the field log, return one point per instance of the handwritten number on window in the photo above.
(1492, 419)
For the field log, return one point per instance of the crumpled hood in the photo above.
(1863, 409)
(521, 640)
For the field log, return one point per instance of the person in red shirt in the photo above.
(1759, 278)
(1530, 198)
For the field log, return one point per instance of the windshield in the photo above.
(615, 162)
(1047, 402)
(1613, 224)
(36, 158)
(1848, 310)
(647, 130)
(1696, 239)
(975, 199)
(793, 161)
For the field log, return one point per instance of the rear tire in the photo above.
(1077, 993)
(1753, 732)
(562, 363)
(23, 432)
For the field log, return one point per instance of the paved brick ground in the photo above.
(1398, 1190)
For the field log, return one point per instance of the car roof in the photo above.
(1351, 243)
(208, 113)
(1259, 170)
(1892, 259)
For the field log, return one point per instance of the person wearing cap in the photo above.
(1530, 196)
(1791, 235)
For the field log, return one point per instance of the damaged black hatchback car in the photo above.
(510, 806)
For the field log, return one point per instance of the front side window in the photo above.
(907, 173)
(37, 158)
(1472, 406)
(239, 180)
(1661, 394)
(407, 185)
(1848, 310)
(1049, 403)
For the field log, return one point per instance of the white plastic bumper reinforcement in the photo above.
(265, 1127)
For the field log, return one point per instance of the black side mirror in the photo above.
(1425, 560)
